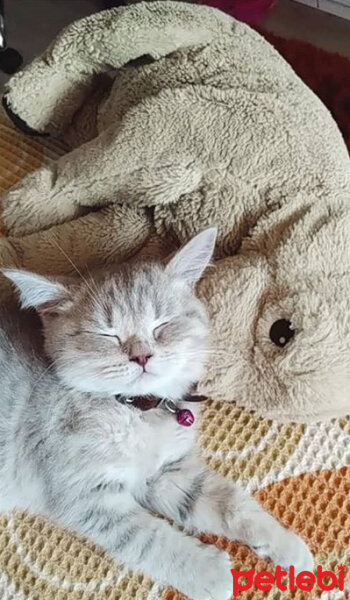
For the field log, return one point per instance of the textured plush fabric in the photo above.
(217, 129)
(301, 473)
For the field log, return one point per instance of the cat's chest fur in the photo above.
(133, 444)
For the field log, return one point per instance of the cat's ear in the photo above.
(45, 295)
(190, 262)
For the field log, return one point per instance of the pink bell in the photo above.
(185, 417)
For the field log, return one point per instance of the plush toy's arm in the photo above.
(144, 162)
(101, 237)
(49, 91)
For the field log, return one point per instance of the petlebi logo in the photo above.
(288, 580)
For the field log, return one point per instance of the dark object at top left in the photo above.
(10, 59)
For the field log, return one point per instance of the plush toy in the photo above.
(182, 118)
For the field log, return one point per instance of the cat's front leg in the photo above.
(196, 498)
(251, 524)
(151, 545)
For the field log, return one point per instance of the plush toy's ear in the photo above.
(43, 294)
(190, 262)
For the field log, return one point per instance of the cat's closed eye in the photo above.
(111, 335)
(103, 334)
(159, 329)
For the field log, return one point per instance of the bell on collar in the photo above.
(184, 416)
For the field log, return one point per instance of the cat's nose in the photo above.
(141, 359)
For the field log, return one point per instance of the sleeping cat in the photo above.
(76, 446)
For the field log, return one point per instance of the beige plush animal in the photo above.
(198, 121)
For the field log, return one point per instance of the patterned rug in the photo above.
(300, 473)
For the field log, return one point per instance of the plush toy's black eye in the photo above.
(281, 332)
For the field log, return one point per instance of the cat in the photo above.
(75, 446)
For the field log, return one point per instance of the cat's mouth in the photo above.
(145, 373)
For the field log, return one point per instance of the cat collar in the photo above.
(184, 416)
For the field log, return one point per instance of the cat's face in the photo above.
(138, 331)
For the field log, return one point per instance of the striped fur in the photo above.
(71, 451)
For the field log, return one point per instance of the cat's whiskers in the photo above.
(93, 294)
(200, 352)
(37, 381)
(95, 288)
(189, 356)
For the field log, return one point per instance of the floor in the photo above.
(32, 24)
(291, 19)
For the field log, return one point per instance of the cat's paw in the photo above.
(291, 550)
(282, 546)
(269, 539)
(209, 575)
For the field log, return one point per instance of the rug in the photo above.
(300, 473)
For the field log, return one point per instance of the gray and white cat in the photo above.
(71, 450)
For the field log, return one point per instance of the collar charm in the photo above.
(184, 416)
